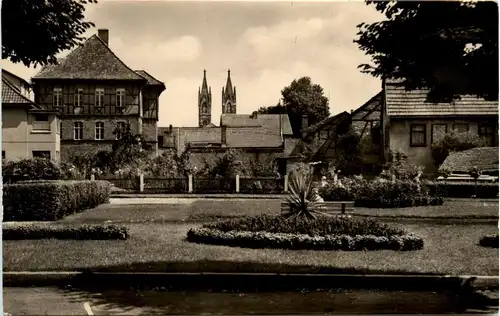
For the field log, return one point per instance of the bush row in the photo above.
(83, 232)
(52, 200)
(301, 241)
(463, 190)
(489, 241)
(381, 193)
(30, 169)
(320, 226)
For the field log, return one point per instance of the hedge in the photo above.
(489, 241)
(30, 169)
(50, 231)
(52, 200)
(321, 233)
(381, 194)
(464, 189)
(302, 241)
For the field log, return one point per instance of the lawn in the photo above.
(158, 233)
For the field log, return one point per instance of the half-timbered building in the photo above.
(96, 95)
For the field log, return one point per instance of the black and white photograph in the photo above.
(180, 157)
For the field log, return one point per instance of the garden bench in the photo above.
(341, 207)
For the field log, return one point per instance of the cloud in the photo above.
(264, 40)
(185, 48)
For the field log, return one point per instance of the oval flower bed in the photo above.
(321, 233)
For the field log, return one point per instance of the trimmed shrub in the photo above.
(30, 169)
(454, 141)
(462, 189)
(322, 233)
(381, 193)
(51, 231)
(52, 200)
(489, 241)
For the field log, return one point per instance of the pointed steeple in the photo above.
(229, 96)
(204, 102)
(204, 85)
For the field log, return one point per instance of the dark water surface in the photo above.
(72, 301)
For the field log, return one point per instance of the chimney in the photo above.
(103, 35)
(304, 125)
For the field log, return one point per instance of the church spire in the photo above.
(204, 102)
(204, 86)
(229, 96)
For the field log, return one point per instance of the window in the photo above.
(487, 131)
(120, 128)
(41, 123)
(41, 154)
(78, 130)
(41, 117)
(99, 130)
(120, 101)
(417, 135)
(461, 127)
(78, 105)
(160, 141)
(57, 100)
(99, 101)
(438, 132)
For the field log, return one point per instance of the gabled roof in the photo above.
(16, 76)
(11, 96)
(484, 158)
(402, 103)
(314, 128)
(151, 80)
(92, 60)
(239, 120)
(370, 111)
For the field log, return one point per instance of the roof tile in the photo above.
(92, 60)
(485, 158)
(401, 102)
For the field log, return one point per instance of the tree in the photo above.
(450, 47)
(304, 97)
(128, 149)
(273, 109)
(35, 31)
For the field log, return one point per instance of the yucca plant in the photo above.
(303, 199)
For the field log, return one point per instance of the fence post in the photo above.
(286, 183)
(141, 182)
(237, 183)
(92, 177)
(190, 183)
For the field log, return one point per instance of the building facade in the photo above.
(411, 123)
(96, 96)
(28, 130)
(260, 136)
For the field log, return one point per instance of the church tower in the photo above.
(204, 103)
(229, 96)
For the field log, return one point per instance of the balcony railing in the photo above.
(41, 126)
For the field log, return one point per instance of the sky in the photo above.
(265, 44)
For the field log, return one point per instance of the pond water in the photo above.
(74, 301)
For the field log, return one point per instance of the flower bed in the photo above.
(322, 233)
(44, 230)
